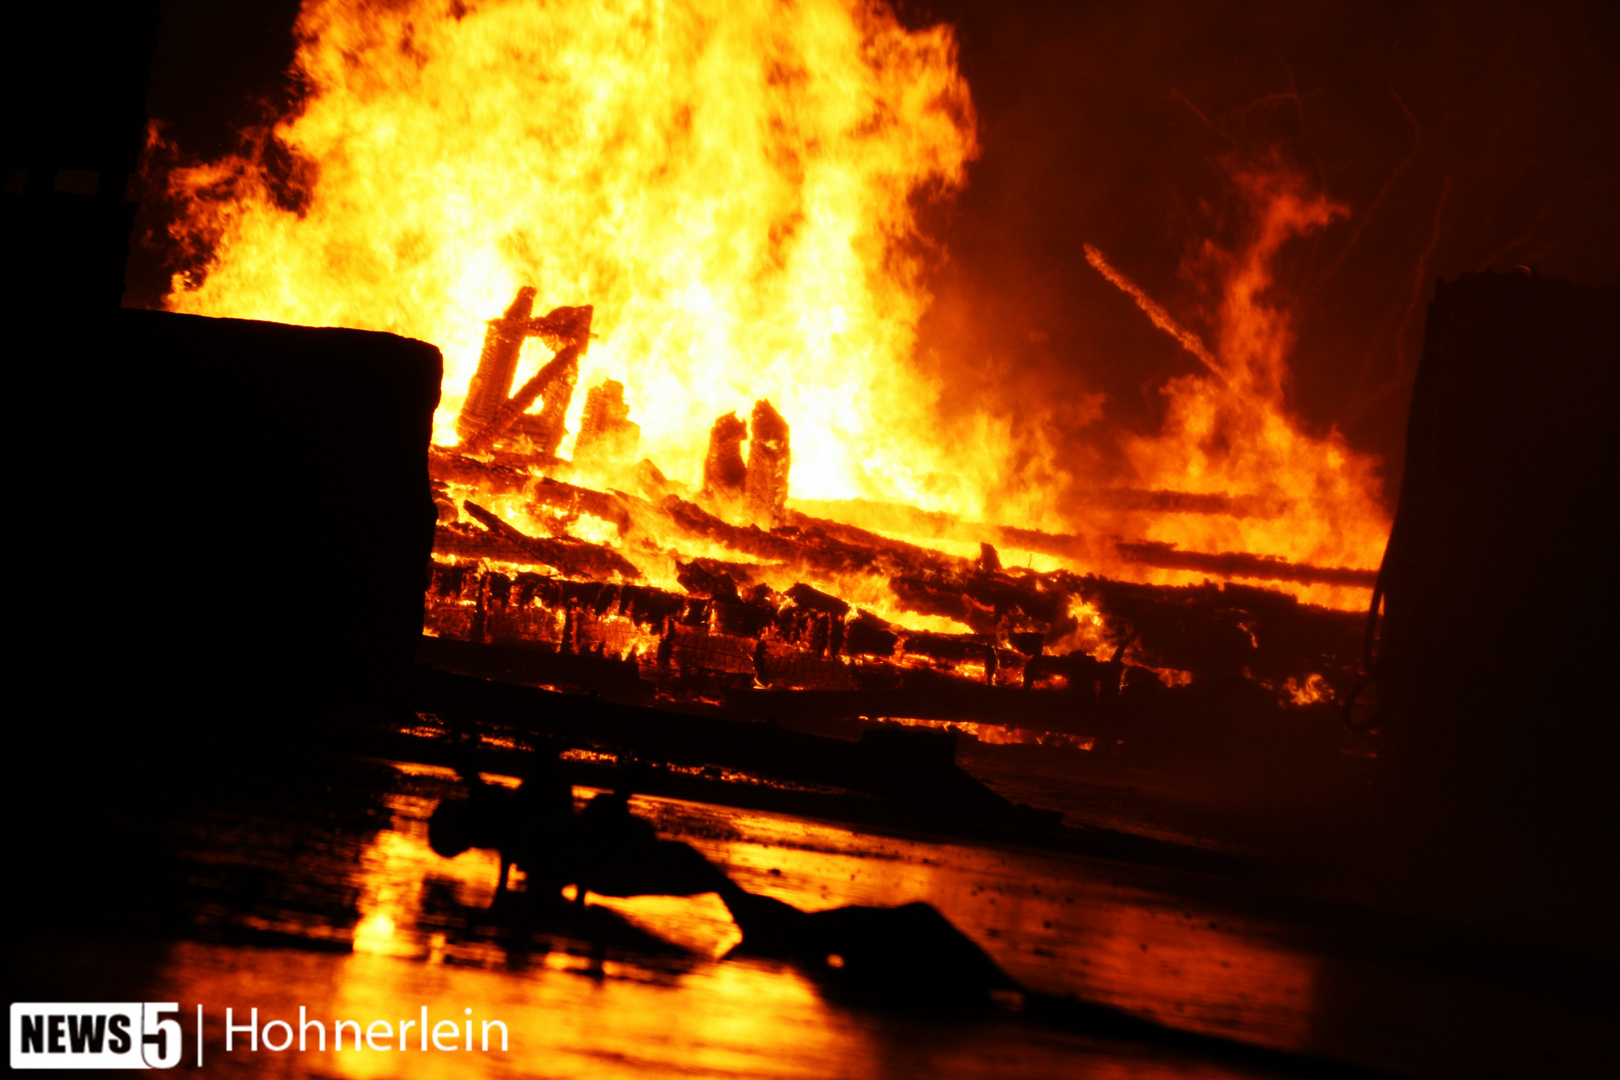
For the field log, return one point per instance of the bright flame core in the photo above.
(730, 182)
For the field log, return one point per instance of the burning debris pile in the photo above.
(599, 572)
(728, 257)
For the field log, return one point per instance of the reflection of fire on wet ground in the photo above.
(348, 913)
(422, 933)
(1050, 931)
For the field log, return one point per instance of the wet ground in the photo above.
(319, 891)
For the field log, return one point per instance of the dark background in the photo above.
(1461, 136)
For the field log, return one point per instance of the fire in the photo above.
(708, 210)
(731, 185)
(1230, 435)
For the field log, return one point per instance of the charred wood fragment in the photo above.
(898, 554)
(566, 554)
(951, 648)
(724, 474)
(444, 505)
(1223, 631)
(448, 581)
(461, 539)
(868, 635)
(1239, 564)
(1161, 501)
(570, 501)
(605, 428)
(546, 429)
(987, 602)
(645, 605)
(770, 457)
(526, 461)
(814, 599)
(779, 545)
(741, 618)
(699, 580)
(497, 364)
(931, 597)
(1029, 642)
(1080, 672)
(448, 466)
(555, 380)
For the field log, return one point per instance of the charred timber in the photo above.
(571, 327)
(565, 553)
(645, 605)
(909, 555)
(785, 545)
(1223, 631)
(765, 485)
(492, 381)
(1237, 564)
(605, 427)
(724, 472)
(1257, 567)
(453, 467)
(1159, 501)
(570, 501)
(914, 765)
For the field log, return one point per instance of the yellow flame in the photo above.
(730, 182)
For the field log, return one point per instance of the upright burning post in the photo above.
(724, 473)
(766, 484)
(492, 383)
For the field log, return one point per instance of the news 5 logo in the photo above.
(94, 1035)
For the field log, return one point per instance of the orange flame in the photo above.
(730, 184)
(1296, 495)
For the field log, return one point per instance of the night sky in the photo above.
(1460, 136)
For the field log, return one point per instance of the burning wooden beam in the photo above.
(497, 364)
(724, 473)
(570, 501)
(564, 553)
(1239, 564)
(765, 486)
(449, 466)
(570, 329)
